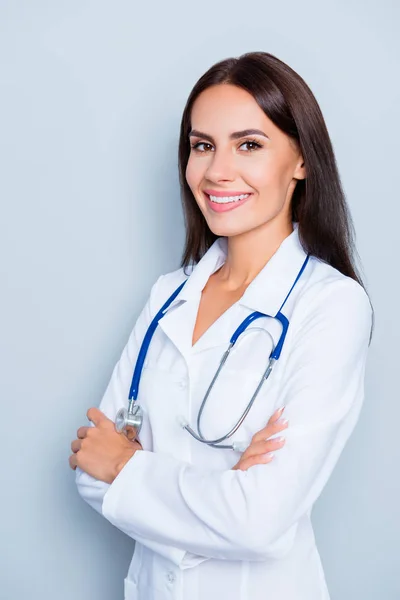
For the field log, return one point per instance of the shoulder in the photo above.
(165, 285)
(326, 283)
(330, 299)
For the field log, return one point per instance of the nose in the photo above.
(221, 166)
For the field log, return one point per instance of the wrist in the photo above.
(128, 453)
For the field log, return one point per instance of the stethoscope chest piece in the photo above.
(126, 419)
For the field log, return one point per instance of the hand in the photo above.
(101, 451)
(255, 454)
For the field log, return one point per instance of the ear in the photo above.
(300, 171)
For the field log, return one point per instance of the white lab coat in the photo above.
(202, 530)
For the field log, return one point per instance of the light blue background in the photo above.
(91, 96)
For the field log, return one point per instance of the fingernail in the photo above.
(277, 413)
(282, 421)
(269, 455)
(280, 439)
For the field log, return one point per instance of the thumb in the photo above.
(97, 417)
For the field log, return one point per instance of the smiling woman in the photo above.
(268, 164)
(268, 246)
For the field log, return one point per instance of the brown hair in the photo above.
(318, 203)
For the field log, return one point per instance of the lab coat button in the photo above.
(171, 576)
(182, 384)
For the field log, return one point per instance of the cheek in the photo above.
(265, 174)
(194, 173)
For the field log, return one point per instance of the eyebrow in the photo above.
(233, 136)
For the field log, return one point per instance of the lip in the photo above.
(220, 208)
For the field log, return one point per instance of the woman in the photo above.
(264, 209)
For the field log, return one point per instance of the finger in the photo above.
(276, 415)
(130, 432)
(82, 432)
(264, 446)
(243, 465)
(72, 461)
(76, 445)
(270, 429)
(97, 417)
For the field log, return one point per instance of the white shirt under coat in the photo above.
(202, 530)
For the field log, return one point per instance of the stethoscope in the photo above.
(132, 417)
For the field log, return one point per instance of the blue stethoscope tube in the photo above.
(133, 416)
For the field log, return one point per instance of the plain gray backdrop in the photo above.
(91, 97)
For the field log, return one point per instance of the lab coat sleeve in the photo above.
(93, 490)
(244, 515)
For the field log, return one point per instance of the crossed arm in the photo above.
(247, 514)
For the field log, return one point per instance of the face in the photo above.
(225, 163)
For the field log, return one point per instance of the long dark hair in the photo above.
(318, 203)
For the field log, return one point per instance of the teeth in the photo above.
(225, 199)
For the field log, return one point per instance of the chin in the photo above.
(225, 230)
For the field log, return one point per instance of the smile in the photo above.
(225, 203)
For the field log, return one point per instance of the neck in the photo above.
(249, 252)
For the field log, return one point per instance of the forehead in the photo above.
(225, 108)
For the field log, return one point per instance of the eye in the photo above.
(256, 145)
(196, 146)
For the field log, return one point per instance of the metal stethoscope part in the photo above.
(217, 442)
(130, 417)
(129, 421)
(133, 416)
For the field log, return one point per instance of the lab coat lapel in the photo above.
(179, 321)
(269, 289)
(219, 333)
(266, 293)
(178, 324)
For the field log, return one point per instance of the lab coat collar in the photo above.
(266, 293)
(269, 288)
